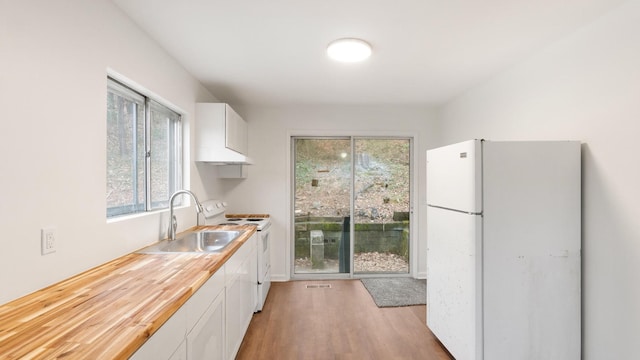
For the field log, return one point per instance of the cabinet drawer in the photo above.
(200, 301)
(235, 262)
(166, 340)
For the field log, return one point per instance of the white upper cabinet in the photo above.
(236, 131)
(221, 135)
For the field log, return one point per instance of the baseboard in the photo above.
(279, 278)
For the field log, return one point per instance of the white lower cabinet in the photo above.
(205, 319)
(212, 323)
(168, 341)
(241, 286)
(181, 352)
(206, 339)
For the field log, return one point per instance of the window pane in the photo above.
(125, 151)
(382, 206)
(322, 205)
(164, 137)
(144, 152)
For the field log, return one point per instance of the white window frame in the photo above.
(175, 153)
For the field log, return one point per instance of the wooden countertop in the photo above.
(109, 311)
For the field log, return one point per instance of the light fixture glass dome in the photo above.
(349, 50)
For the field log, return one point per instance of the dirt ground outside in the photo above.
(372, 262)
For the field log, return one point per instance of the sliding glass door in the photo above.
(322, 204)
(381, 206)
(351, 205)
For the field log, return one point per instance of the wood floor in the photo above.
(341, 322)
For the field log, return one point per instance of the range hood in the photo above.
(224, 156)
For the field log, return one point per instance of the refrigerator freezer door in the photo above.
(454, 286)
(454, 177)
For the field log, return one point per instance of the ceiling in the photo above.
(424, 51)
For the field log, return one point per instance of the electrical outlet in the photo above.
(49, 239)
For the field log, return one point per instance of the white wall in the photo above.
(54, 57)
(267, 189)
(586, 87)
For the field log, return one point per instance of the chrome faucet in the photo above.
(173, 223)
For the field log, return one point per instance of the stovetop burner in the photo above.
(214, 214)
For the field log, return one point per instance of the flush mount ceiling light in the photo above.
(349, 50)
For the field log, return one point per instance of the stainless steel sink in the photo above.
(206, 241)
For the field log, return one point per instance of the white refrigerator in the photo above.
(504, 249)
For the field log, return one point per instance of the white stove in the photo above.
(214, 214)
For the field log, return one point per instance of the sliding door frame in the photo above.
(353, 136)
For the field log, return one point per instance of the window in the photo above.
(144, 152)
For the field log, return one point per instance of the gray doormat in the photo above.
(390, 292)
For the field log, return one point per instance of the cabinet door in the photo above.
(206, 339)
(241, 295)
(236, 293)
(235, 131)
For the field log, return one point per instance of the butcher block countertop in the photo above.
(109, 311)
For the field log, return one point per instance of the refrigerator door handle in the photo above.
(456, 210)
